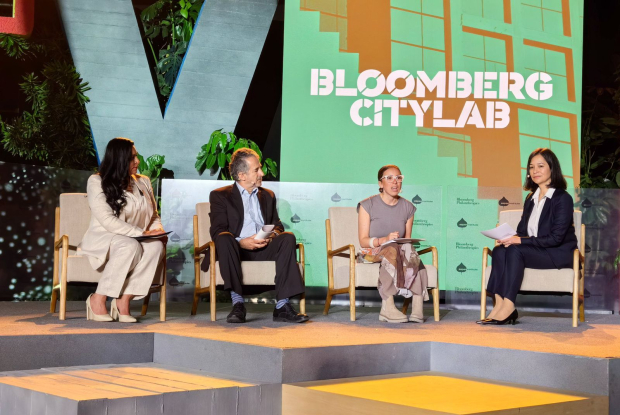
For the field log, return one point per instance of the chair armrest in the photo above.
(488, 252)
(433, 250)
(199, 250)
(333, 252)
(64, 240)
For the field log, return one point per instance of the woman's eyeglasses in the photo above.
(391, 178)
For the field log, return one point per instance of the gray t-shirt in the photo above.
(385, 219)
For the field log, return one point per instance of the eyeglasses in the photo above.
(391, 178)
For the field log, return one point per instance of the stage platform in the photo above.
(541, 351)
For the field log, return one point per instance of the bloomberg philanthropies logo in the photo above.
(463, 223)
(337, 198)
(505, 202)
(461, 268)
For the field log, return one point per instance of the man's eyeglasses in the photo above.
(391, 178)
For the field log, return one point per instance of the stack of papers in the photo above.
(403, 241)
(503, 231)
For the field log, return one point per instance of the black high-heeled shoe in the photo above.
(484, 321)
(511, 319)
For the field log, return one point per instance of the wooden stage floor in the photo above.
(598, 337)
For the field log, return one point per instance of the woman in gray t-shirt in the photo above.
(382, 218)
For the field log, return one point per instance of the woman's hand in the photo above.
(513, 240)
(159, 231)
(391, 236)
(153, 232)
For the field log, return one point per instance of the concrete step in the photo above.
(147, 389)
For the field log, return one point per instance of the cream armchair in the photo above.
(566, 280)
(344, 274)
(254, 272)
(71, 223)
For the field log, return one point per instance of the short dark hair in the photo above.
(238, 163)
(383, 169)
(557, 180)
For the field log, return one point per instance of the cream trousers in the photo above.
(131, 267)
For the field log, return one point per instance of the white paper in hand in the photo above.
(265, 232)
(503, 231)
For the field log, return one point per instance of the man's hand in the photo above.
(252, 244)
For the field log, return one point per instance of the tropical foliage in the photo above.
(600, 140)
(168, 27)
(55, 128)
(216, 154)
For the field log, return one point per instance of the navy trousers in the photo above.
(509, 265)
(281, 249)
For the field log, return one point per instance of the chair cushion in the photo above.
(367, 275)
(254, 273)
(553, 280)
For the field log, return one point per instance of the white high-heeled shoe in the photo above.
(122, 318)
(90, 315)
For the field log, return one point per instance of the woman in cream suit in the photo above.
(122, 207)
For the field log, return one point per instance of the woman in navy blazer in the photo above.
(545, 236)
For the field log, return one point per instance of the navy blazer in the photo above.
(227, 210)
(556, 229)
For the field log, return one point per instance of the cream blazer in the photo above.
(104, 225)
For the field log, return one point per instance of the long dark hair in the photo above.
(382, 170)
(557, 180)
(114, 172)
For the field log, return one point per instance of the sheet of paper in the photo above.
(265, 232)
(503, 231)
(403, 241)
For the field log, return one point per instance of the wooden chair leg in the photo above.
(436, 303)
(483, 304)
(162, 303)
(328, 302)
(53, 301)
(213, 308)
(406, 304)
(63, 299)
(352, 301)
(582, 315)
(302, 304)
(195, 303)
(575, 307)
(145, 304)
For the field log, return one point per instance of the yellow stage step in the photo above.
(432, 393)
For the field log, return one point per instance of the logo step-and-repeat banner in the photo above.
(452, 223)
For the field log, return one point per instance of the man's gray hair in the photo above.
(238, 163)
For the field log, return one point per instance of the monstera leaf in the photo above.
(216, 154)
(170, 61)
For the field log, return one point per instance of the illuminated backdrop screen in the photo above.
(457, 93)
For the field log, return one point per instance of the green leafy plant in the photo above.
(55, 129)
(152, 166)
(217, 152)
(168, 27)
(600, 139)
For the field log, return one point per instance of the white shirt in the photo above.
(532, 225)
(252, 216)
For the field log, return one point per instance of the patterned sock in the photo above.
(236, 298)
(281, 303)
